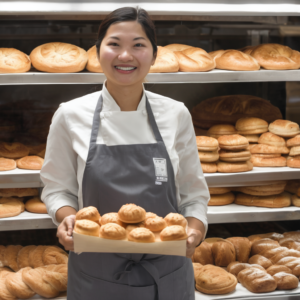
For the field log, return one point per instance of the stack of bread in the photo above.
(131, 223)
(293, 160)
(12, 202)
(220, 196)
(30, 270)
(261, 263)
(17, 155)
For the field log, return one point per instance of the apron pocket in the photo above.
(98, 289)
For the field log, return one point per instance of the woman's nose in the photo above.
(125, 55)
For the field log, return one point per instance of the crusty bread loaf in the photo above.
(11, 207)
(223, 253)
(275, 188)
(7, 164)
(234, 167)
(228, 109)
(234, 60)
(205, 143)
(263, 245)
(93, 64)
(236, 267)
(274, 269)
(59, 57)
(269, 253)
(286, 281)
(295, 141)
(10, 256)
(260, 260)
(242, 248)
(209, 167)
(295, 235)
(166, 61)
(177, 47)
(284, 128)
(221, 199)
(203, 254)
(218, 190)
(219, 130)
(251, 125)
(292, 263)
(194, 60)
(14, 61)
(259, 161)
(274, 201)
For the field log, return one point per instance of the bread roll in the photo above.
(88, 213)
(13, 150)
(275, 188)
(284, 128)
(295, 200)
(234, 167)
(14, 61)
(2, 258)
(176, 219)
(111, 218)
(203, 254)
(293, 161)
(205, 143)
(209, 167)
(292, 263)
(257, 281)
(141, 235)
(262, 148)
(177, 47)
(35, 205)
(290, 244)
(23, 256)
(30, 163)
(292, 186)
(234, 156)
(173, 233)
(7, 164)
(223, 199)
(274, 269)
(242, 248)
(258, 161)
(269, 253)
(233, 142)
(295, 235)
(54, 255)
(217, 131)
(270, 235)
(19, 192)
(286, 281)
(252, 138)
(228, 109)
(276, 57)
(213, 280)
(271, 139)
(10, 256)
(155, 224)
(250, 125)
(131, 213)
(223, 253)
(288, 252)
(208, 156)
(93, 64)
(59, 58)
(113, 231)
(218, 190)
(213, 240)
(87, 227)
(10, 207)
(194, 60)
(236, 267)
(265, 155)
(260, 260)
(275, 201)
(295, 151)
(234, 60)
(130, 227)
(166, 61)
(293, 142)
(263, 245)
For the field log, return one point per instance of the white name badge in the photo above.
(160, 165)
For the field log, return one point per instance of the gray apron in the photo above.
(113, 176)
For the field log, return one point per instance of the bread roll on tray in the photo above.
(35, 205)
(87, 227)
(203, 254)
(236, 267)
(88, 213)
(177, 47)
(286, 281)
(7, 164)
(205, 156)
(259, 161)
(234, 167)
(295, 141)
(223, 199)
(274, 269)
(218, 190)
(131, 213)
(263, 245)
(176, 219)
(173, 233)
(113, 231)
(293, 161)
(223, 253)
(10, 207)
(30, 163)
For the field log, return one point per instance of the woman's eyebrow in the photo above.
(116, 38)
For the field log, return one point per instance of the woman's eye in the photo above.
(113, 44)
(139, 45)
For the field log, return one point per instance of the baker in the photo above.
(125, 145)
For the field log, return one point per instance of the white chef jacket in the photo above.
(69, 139)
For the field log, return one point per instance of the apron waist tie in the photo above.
(150, 268)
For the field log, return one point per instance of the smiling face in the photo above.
(126, 53)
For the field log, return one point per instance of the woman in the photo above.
(125, 145)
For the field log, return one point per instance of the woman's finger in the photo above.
(70, 222)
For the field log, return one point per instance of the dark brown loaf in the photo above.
(286, 281)
(228, 109)
(236, 267)
(13, 150)
(223, 253)
(203, 254)
(260, 260)
(242, 248)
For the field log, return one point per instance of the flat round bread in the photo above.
(14, 61)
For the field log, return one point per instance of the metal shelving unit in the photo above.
(20, 178)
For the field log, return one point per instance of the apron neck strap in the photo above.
(96, 121)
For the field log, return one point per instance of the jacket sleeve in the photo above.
(194, 194)
(59, 172)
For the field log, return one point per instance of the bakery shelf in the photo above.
(20, 178)
(25, 221)
(37, 297)
(154, 7)
(36, 78)
(234, 213)
(258, 176)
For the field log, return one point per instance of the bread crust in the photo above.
(7, 164)
(131, 213)
(14, 61)
(112, 218)
(209, 167)
(35, 205)
(223, 199)
(205, 143)
(30, 163)
(88, 213)
(234, 167)
(212, 156)
(260, 260)
(267, 149)
(166, 61)
(93, 64)
(274, 269)
(286, 281)
(284, 128)
(23, 256)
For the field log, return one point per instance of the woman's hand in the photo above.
(195, 232)
(64, 232)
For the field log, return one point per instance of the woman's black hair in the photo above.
(126, 14)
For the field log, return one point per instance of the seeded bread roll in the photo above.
(233, 142)
(205, 143)
(209, 167)
(217, 131)
(221, 199)
(250, 125)
(113, 231)
(284, 128)
(141, 235)
(87, 227)
(166, 61)
(131, 213)
(293, 142)
(173, 233)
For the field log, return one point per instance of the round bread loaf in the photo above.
(223, 199)
(35, 205)
(13, 61)
(131, 213)
(141, 235)
(176, 219)
(228, 109)
(59, 58)
(251, 125)
(275, 188)
(286, 281)
(223, 253)
(274, 269)
(194, 60)
(295, 151)
(233, 142)
(155, 224)
(112, 218)
(130, 227)
(292, 186)
(295, 141)
(218, 190)
(93, 64)
(113, 231)
(252, 138)
(203, 254)
(88, 213)
(13, 150)
(205, 143)
(217, 131)
(10, 207)
(276, 57)
(260, 260)
(266, 149)
(208, 156)
(284, 128)
(23, 256)
(30, 163)
(258, 161)
(274, 201)
(87, 227)
(173, 233)
(209, 167)
(177, 47)
(234, 167)
(214, 280)
(242, 248)
(19, 192)
(197, 268)
(295, 200)
(7, 164)
(234, 60)
(233, 156)
(293, 161)
(271, 139)
(165, 62)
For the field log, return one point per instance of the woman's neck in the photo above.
(127, 97)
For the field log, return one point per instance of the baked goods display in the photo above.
(131, 223)
(14, 61)
(20, 279)
(93, 64)
(19, 192)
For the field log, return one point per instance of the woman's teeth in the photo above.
(125, 68)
